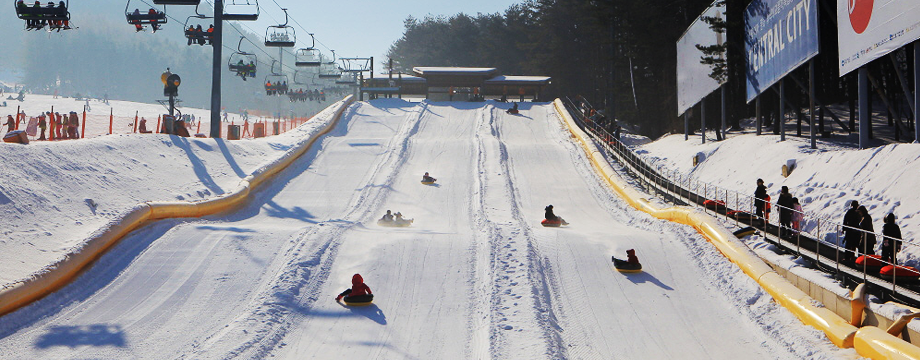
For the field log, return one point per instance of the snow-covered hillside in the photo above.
(475, 276)
(824, 180)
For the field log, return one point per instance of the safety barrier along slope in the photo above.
(66, 270)
(796, 301)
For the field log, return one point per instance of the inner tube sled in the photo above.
(741, 233)
(904, 273)
(553, 223)
(873, 263)
(359, 300)
(395, 223)
(427, 182)
(625, 266)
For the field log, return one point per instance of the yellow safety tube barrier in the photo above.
(796, 301)
(63, 272)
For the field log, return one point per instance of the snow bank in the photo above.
(53, 196)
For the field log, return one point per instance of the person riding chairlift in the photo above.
(153, 22)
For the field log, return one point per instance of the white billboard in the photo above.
(870, 29)
(693, 81)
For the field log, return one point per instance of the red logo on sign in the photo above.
(860, 13)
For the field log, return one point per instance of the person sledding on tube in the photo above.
(551, 217)
(427, 179)
(513, 110)
(388, 217)
(359, 294)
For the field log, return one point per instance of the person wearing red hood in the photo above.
(359, 291)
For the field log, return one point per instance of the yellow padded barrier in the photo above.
(876, 343)
(796, 301)
(63, 272)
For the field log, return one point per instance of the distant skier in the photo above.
(359, 291)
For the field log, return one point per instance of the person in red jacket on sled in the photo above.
(359, 294)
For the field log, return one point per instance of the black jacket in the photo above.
(761, 192)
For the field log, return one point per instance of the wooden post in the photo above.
(158, 125)
(198, 130)
(111, 120)
(83, 129)
(17, 118)
(135, 122)
(758, 114)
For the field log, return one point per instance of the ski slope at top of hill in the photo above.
(475, 276)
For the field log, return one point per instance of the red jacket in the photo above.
(358, 287)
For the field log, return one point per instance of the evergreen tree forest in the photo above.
(579, 42)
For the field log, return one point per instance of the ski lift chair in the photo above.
(243, 63)
(196, 36)
(177, 2)
(329, 71)
(346, 78)
(241, 10)
(55, 16)
(142, 18)
(280, 35)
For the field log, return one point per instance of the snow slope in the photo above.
(54, 195)
(474, 277)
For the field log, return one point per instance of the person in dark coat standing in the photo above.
(10, 123)
(785, 212)
(891, 239)
(759, 196)
(850, 234)
(868, 236)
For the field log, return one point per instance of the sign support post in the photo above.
(864, 122)
(811, 103)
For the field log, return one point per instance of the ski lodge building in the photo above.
(455, 83)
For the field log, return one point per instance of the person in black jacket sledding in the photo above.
(549, 215)
(513, 110)
(891, 239)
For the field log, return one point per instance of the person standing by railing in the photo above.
(868, 236)
(760, 195)
(891, 239)
(785, 212)
(851, 230)
(798, 215)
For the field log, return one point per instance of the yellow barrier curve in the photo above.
(869, 341)
(66, 270)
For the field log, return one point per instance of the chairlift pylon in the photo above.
(56, 16)
(241, 10)
(243, 63)
(280, 35)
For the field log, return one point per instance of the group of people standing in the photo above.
(859, 233)
(66, 126)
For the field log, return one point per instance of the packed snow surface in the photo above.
(475, 276)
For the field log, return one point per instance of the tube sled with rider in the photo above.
(428, 180)
(397, 220)
(551, 220)
(358, 295)
(630, 265)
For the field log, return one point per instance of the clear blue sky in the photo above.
(362, 28)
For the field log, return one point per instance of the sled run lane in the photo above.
(475, 276)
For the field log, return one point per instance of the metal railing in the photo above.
(817, 239)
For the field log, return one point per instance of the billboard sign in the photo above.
(779, 36)
(693, 81)
(870, 29)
